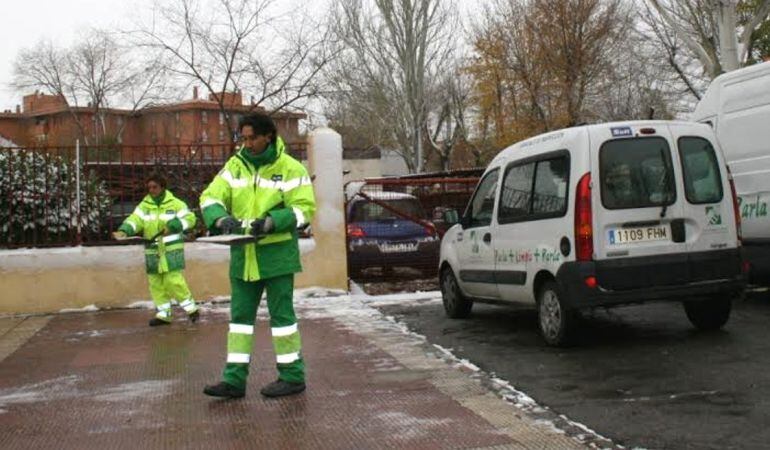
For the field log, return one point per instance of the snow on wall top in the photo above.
(111, 256)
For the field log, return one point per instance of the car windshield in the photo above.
(636, 173)
(366, 211)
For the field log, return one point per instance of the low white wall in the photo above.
(49, 280)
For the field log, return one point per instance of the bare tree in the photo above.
(394, 55)
(240, 45)
(446, 126)
(96, 73)
(709, 30)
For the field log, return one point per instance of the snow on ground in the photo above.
(66, 387)
(89, 308)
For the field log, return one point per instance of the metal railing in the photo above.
(77, 195)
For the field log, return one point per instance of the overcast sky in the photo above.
(26, 22)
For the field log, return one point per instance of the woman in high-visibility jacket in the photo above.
(162, 219)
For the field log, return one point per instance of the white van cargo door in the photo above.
(708, 209)
(637, 209)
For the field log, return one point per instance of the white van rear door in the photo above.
(708, 209)
(637, 210)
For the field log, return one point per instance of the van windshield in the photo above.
(636, 173)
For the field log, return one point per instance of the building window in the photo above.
(221, 118)
(221, 135)
(176, 117)
(204, 117)
(204, 136)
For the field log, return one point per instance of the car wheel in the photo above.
(709, 314)
(456, 305)
(555, 320)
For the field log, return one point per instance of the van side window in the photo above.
(551, 187)
(516, 194)
(702, 183)
(534, 190)
(482, 205)
(636, 173)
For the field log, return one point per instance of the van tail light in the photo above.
(354, 231)
(736, 205)
(584, 233)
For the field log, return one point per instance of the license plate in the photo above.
(641, 234)
(398, 248)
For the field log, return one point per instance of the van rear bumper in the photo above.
(699, 276)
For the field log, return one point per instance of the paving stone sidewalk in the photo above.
(107, 380)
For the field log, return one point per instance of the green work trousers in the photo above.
(246, 296)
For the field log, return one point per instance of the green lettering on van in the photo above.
(752, 207)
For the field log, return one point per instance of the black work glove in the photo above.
(228, 225)
(261, 227)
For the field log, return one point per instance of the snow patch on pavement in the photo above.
(142, 304)
(89, 308)
(63, 388)
(131, 391)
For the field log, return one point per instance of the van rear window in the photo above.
(365, 211)
(636, 173)
(702, 183)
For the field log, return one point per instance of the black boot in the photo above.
(279, 388)
(154, 322)
(225, 390)
(194, 316)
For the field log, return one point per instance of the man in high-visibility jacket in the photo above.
(161, 219)
(264, 192)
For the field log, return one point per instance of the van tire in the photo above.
(555, 321)
(709, 315)
(456, 305)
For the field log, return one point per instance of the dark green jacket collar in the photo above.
(269, 156)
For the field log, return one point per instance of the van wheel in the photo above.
(709, 314)
(555, 320)
(456, 305)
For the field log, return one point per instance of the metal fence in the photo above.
(77, 195)
(395, 224)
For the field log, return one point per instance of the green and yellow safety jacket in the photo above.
(166, 252)
(251, 187)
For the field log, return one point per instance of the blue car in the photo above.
(390, 231)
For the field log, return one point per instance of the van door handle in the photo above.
(487, 238)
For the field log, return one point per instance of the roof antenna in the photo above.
(651, 113)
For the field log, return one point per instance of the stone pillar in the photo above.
(327, 263)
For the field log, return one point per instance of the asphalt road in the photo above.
(640, 375)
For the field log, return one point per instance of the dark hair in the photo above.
(158, 178)
(261, 124)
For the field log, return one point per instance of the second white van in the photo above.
(599, 216)
(737, 106)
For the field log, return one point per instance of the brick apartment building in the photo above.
(47, 120)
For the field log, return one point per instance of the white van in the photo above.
(597, 216)
(737, 105)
